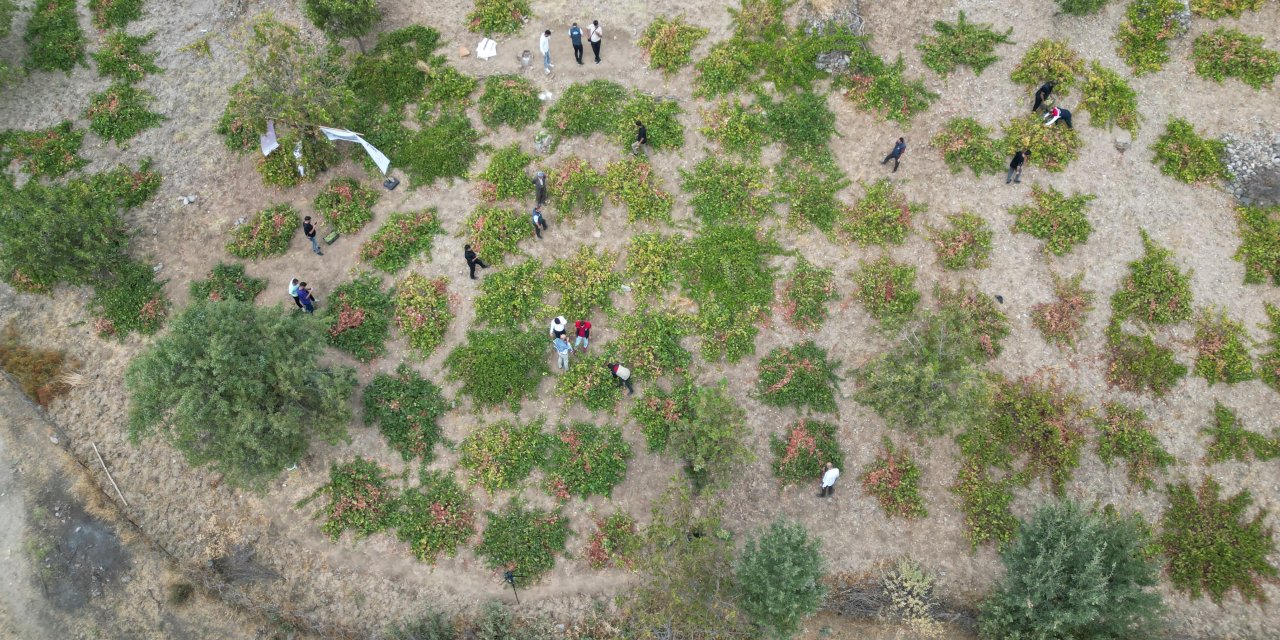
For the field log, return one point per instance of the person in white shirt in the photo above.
(828, 481)
(293, 292)
(593, 36)
(556, 330)
(544, 45)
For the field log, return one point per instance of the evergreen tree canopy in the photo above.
(778, 578)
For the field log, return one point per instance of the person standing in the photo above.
(623, 375)
(473, 260)
(593, 36)
(563, 350)
(899, 148)
(829, 476)
(556, 330)
(582, 331)
(305, 297)
(310, 231)
(1042, 95)
(1015, 166)
(540, 188)
(544, 45)
(642, 138)
(293, 292)
(538, 220)
(1056, 114)
(575, 36)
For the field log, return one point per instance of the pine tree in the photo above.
(1076, 574)
(778, 578)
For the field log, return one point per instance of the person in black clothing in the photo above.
(575, 36)
(539, 221)
(473, 260)
(310, 231)
(1043, 94)
(899, 148)
(1015, 166)
(642, 138)
(540, 187)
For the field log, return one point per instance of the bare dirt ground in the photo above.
(358, 587)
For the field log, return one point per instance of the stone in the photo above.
(464, 52)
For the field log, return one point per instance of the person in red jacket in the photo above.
(582, 331)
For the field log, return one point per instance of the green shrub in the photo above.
(1049, 60)
(727, 191)
(887, 291)
(1187, 157)
(389, 74)
(114, 13)
(407, 409)
(632, 182)
(660, 117)
(523, 540)
(1081, 7)
(498, 368)
(798, 376)
(401, 239)
(651, 263)
(358, 499)
(586, 281)
(801, 456)
(430, 625)
(120, 113)
(1055, 218)
(343, 18)
(590, 382)
(808, 180)
(801, 119)
(882, 216)
(121, 57)
(893, 479)
(1125, 433)
(1145, 33)
(1259, 243)
(658, 411)
(881, 88)
(668, 43)
(983, 325)
(778, 576)
(424, 309)
(1077, 574)
(966, 244)
(985, 503)
(586, 459)
(736, 128)
(725, 270)
(705, 428)
(494, 233)
(346, 204)
(228, 282)
(726, 69)
(1155, 291)
(444, 147)
(505, 177)
(586, 108)
(434, 518)
(1138, 365)
(359, 317)
(1222, 349)
(498, 17)
(615, 543)
(125, 187)
(964, 142)
(239, 386)
(512, 296)
(1269, 362)
(54, 39)
(1231, 441)
(961, 43)
(1061, 321)
(267, 234)
(448, 91)
(129, 299)
(1110, 100)
(648, 343)
(1214, 9)
(280, 169)
(509, 100)
(51, 152)
(500, 455)
(805, 295)
(1209, 545)
(1051, 147)
(574, 187)
(1227, 53)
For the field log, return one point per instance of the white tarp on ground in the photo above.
(486, 49)
(268, 141)
(350, 136)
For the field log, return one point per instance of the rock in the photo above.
(464, 52)
(542, 142)
(157, 267)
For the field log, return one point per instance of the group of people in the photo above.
(594, 34)
(582, 340)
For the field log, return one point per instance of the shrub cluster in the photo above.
(53, 37)
(1269, 362)
(501, 454)
(1049, 60)
(401, 239)
(800, 119)
(1227, 53)
(280, 169)
(961, 43)
(358, 498)
(51, 152)
(736, 128)
(114, 13)
(1055, 218)
(586, 459)
(424, 309)
(227, 282)
(1138, 365)
(586, 281)
(499, 368)
(492, 17)
(435, 517)
(648, 343)
(882, 216)
(346, 204)
(494, 233)
(668, 43)
(616, 542)
(806, 294)
(586, 108)
(1145, 33)
(651, 263)
(1211, 547)
(802, 454)
(1186, 156)
(1110, 100)
(798, 376)
(505, 177)
(120, 113)
(590, 382)
(122, 59)
(359, 317)
(267, 234)
(1051, 147)
(407, 409)
(887, 291)
(702, 425)
(512, 296)
(1061, 321)
(1214, 9)
(633, 182)
(1125, 433)
(1155, 291)
(808, 180)
(965, 244)
(509, 100)
(963, 142)
(523, 540)
(1231, 441)
(1222, 349)
(881, 88)
(727, 191)
(725, 270)
(1259, 243)
(1081, 7)
(893, 479)
(574, 187)
(129, 299)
